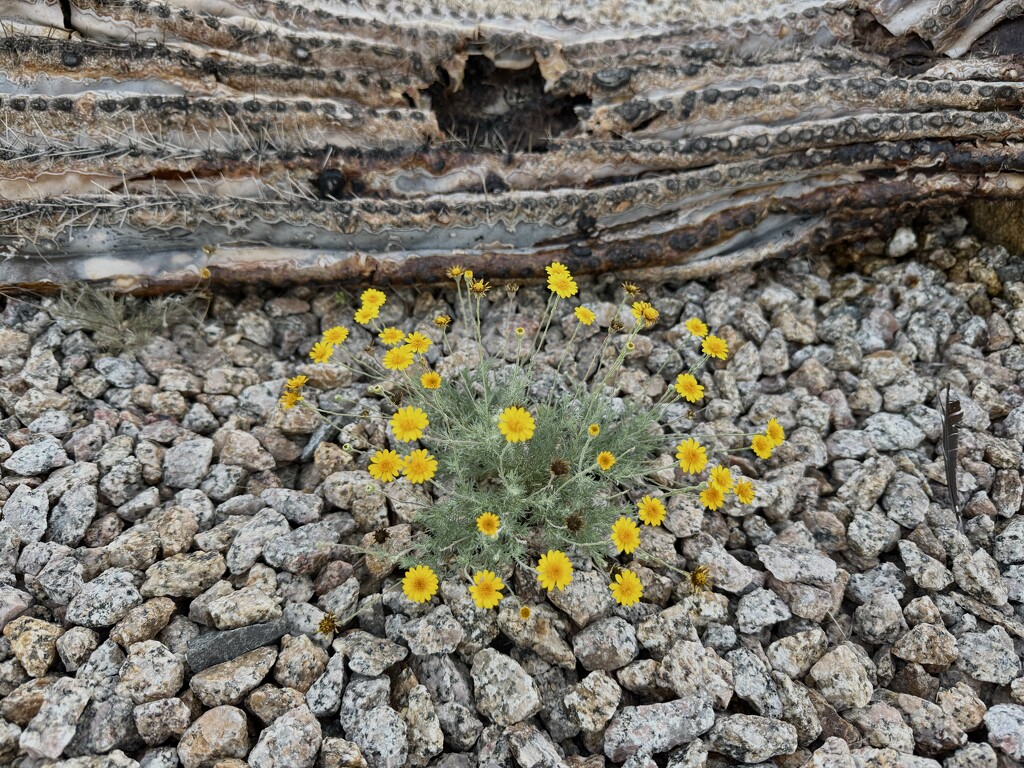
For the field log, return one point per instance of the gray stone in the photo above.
(71, 516)
(339, 753)
(1005, 723)
(150, 672)
(437, 632)
(247, 546)
(656, 727)
(75, 646)
(426, 739)
(300, 508)
(660, 632)
(927, 644)
(927, 572)
(989, 657)
(324, 695)
(369, 655)
(606, 644)
(13, 603)
(794, 655)
(586, 599)
(870, 533)
(532, 747)
(890, 432)
(934, 730)
(905, 501)
(186, 464)
(157, 721)
(230, 681)
(244, 607)
(760, 609)
(978, 575)
(691, 670)
(218, 647)
(792, 563)
(33, 643)
(291, 741)
(1009, 544)
(299, 663)
(880, 620)
(752, 739)
(100, 671)
(382, 736)
(504, 692)
(37, 458)
(53, 727)
(183, 575)
(25, 511)
(882, 726)
(842, 677)
(593, 701)
(972, 756)
(304, 550)
(105, 600)
(865, 486)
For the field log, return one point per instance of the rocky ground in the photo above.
(170, 541)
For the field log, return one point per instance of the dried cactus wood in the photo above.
(147, 141)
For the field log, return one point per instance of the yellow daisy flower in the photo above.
(584, 315)
(645, 312)
(366, 314)
(692, 456)
(562, 286)
(744, 491)
(516, 424)
(715, 347)
(594, 430)
(651, 510)
(336, 335)
(554, 571)
(296, 382)
(775, 432)
(696, 327)
(385, 466)
(627, 589)
(391, 336)
(625, 535)
(455, 272)
(762, 445)
(712, 497)
(605, 460)
(418, 343)
(373, 298)
(556, 268)
(721, 477)
(687, 386)
(419, 467)
(289, 399)
(321, 352)
(525, 613)
(488, 524)
(443, 321)
(419, 584)
(408, 423)
(486, 589)
(430, 380)
(398, 358)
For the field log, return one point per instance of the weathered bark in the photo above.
(265, 139)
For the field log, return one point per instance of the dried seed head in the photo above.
(443, 321)
(328, 624)
(574, 522)
(616, 325)
(631, 288)
(559, 467)
(520, 331)
(700, 579)
(511, 289)
(479, 287)
(381, 535)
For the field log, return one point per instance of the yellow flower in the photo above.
(398, 358)
(391, 336)
(692, 457)
(775, 432)
(419, 584)
(594, 430)
(455, 272)
(556, 268)
(631, 288)
(645, 312)
(443, 321)
(712, 497)
(516, 424)
(373, 298)
(562, 285)
(408, 423)
(715, 347)
(468, 275)
(627, 588)
(525, 612)
(554, 571)
(651, 510)
(366, 314)
(418, 343)
(297, 382)
(385, 466)
(419, 467)
(289, 399)
(687, 386)
(744, 491)
(321, 352)
(625, 535)
(696, 327)
(605, 460)
(762, 445)
(721, 477)
(431, 380)
(336, 335)
(480, 287)
(486, 589)
(584, 315)
(488, 524)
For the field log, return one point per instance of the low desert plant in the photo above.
(120, 323)
(520, 479)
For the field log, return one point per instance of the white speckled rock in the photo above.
(34, 643)
(54, 725)
(221, 732)
(656, 728)
(229, 682)
(752, 739)
(150, 672)
(504, 692)
(159, 720)
(105, 600)
(291, 741)
(842, 678)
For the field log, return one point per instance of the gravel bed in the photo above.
(170, 541)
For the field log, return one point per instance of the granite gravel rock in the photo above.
(752, 739)
(503, 690)
(656, 728)
(229, 682)
(291, 741)
(218, 734)
(105, 600)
